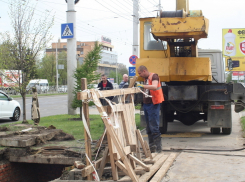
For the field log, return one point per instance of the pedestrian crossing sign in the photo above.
(67, 31)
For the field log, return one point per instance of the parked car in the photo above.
(9, 108)
(62, 88)
(92, 86)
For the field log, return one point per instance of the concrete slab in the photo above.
(199, 164)
(29, 138)
(40, 159)
(198, 167)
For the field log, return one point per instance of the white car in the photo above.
(9, 108)
(62, 88)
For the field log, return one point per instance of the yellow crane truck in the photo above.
(192, 79)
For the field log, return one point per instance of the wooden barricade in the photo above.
(123, 151)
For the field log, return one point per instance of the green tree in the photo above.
(62, 60)
(122, 69)
(47, 68)
(229, 77)
(87, 70)
(113, 74)
(30, 36)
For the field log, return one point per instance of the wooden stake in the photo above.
(139, 162)
(142, 142)
(86, 137)
(131, 84)
(112, 161)
(103, 162)
(148, 149)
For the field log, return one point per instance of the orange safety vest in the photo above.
(157, 95)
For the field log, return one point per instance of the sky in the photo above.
(113, 19)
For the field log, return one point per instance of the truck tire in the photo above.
(215, 130)
(226, 131)
(164, 128)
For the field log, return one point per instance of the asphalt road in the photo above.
(48, 105)
(205, 156)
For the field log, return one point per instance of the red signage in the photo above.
(132, 59)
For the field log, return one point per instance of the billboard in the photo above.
(233, 42)
(238, 75)
(238, 63)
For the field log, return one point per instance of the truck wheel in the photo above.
(226, 131)
(164, 121)
(215, 130)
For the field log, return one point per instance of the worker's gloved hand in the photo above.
(140, 85)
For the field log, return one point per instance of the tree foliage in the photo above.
(23, 46)
(47, 68)
(121, 70)
(87, 70)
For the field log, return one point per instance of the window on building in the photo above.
(64, 46)
(78, 46)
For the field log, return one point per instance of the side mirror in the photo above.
(10, 98)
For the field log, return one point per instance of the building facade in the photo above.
(107, 63)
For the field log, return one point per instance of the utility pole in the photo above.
(57, 74)
(135, 27)
(71, 55)
(159, 6)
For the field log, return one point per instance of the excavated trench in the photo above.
(27, 156)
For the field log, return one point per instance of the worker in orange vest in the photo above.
(152, 105)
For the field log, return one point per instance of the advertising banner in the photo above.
(238, 75)
(233, 42)
(238, 63)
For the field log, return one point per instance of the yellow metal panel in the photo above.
(182, 4)
(155, 65)
(149, 53)
(178, 68)
(189, 27)
(190, 68)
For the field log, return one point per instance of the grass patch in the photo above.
(70, 124)
(243, 125)
(30, 95)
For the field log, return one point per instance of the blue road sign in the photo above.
(67, 31)
(131, 71)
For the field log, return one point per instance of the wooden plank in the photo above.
(131, 84)
(103, 162)
(139, 162)
(145, 177)
(163, 170)
(138, 153)
(89, 169)
(133, 164)
(86, 137)
(113, 136)
(116, 107)
(107, 93)
(127, 179)
(127, 151)
(122, 167)
(148, 149)
(113, 165)
(142, 142)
